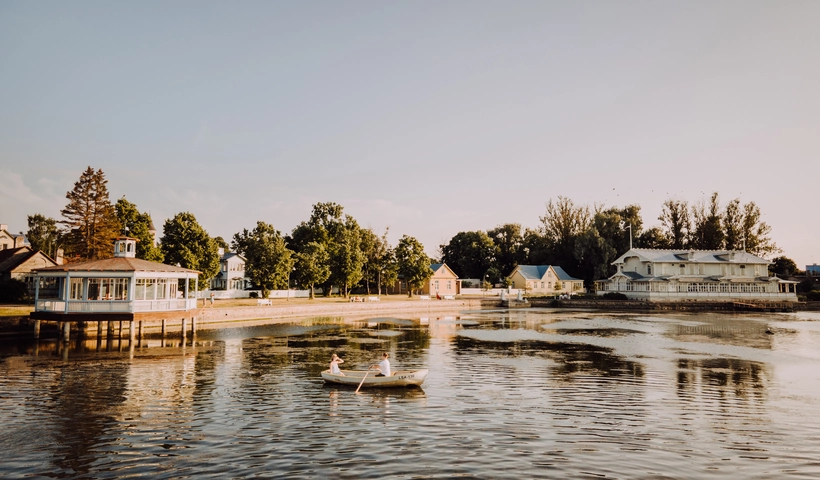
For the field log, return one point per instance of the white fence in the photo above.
(493, 292)
(228, 294)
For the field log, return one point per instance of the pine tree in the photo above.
(90, 218)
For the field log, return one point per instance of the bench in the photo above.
(424, 297)
(263, 302)
(449, 297)
(373, 299)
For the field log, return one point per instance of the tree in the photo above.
(90, 218)
(469, 254)
(783, 266)
(138, 225)
(652, 238)
(508, 242)
(733, 225)
(561, 226)
(413, 263)
(756, 232)
(323, 228)
(346, 259)
(221, 243)
(708, 229)
(186, 244)
(378, 257)
(268, 261)
(312, 266)
(43, 234)
(676, 223)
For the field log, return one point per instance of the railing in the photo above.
(103, 306)
(653, 295)
(164, 305)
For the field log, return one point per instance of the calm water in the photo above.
(522, 394)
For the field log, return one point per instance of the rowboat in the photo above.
(399, 378)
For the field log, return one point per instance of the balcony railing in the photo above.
(107, 306)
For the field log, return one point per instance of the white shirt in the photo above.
(334, 368)
(384, 367)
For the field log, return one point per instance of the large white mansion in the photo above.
(692, 275)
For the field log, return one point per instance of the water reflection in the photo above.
(510, 395)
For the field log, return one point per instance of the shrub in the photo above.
(253, 295)
(813, 296)
(615, 296)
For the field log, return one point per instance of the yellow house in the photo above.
(545, 280)
(443, 282)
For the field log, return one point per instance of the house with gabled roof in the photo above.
(10, 240)
(691, 275)
(232, 274)
(19, 263)
(545, 280)
(443, 282)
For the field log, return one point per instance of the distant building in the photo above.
(10, 240)
(18, 264)
(231, 274)
(705, 275)
(443, 282)
(545, 280)
(813, 270)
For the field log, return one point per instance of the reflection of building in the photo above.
(706, 275)
(545, 279)
(119, 288)
(443, 282)
(231, 274)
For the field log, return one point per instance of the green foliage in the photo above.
(138, 225)
(90, 218)
(652, 238)
(379, 265)
(43, 234)
(509, 243)
(806, 285)
(813, 296)
(413, 263)
(615, 296)
(783, 266)
(312, 266)
(469, 254)
(187, 244)
(676, 223)
(13, 291)
(268, 261)
(708, 225)
(221, 243)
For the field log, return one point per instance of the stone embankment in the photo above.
(631, 305)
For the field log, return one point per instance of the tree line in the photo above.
(330, 249)
(585, 241)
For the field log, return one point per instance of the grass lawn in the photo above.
(15, 310)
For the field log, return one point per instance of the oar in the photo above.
(362, 382)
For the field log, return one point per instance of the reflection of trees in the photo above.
(570, 358)
(87, 400)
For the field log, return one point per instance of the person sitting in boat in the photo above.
(383, 366)
(335, 361)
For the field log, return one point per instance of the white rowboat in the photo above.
(399, 378)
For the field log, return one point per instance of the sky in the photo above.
(427, 117)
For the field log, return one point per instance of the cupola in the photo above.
(125, 247)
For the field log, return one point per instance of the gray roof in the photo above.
(537, 272)
(698, 256)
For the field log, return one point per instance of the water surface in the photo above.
(533, 393)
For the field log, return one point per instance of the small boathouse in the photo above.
(119, 289)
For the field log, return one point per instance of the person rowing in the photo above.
(383, 366)
(335, 361)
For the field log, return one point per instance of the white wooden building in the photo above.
(692, 275)
(118, 288)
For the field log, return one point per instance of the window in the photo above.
(449, 284)
(76, 289)
(649, 269)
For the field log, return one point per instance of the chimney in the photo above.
(3, 226)
(221, 252)
(59, 256)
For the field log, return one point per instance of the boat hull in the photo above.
(400, 378)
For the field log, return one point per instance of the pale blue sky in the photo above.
(426, 116)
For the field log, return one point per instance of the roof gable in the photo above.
(438, 267)
(659, 255)
(538, 272)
